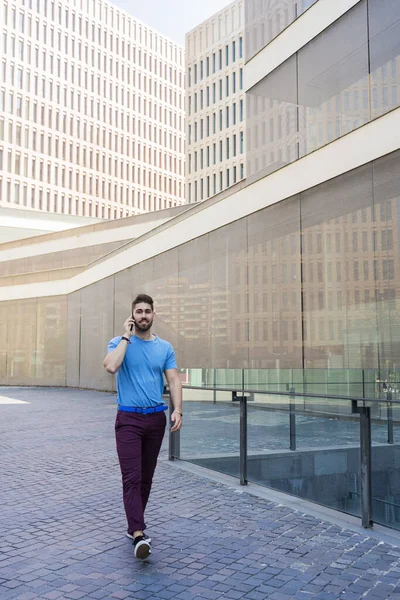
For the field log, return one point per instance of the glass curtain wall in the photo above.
(266, 19)
(342, 79)
(310, 283)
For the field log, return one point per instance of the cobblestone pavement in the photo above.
(62, 523)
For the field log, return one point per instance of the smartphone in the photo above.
(133, 322)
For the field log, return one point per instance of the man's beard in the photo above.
(144, 326)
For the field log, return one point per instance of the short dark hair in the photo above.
(143, 298)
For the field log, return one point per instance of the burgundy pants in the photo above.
(139, 438)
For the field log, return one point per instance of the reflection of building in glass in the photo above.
(307, 102)
(195, 313)
(344, 282)
(91, 111)
(215, 104)
(351, 270)
(266, 19)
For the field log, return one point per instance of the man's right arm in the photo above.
(115, 358)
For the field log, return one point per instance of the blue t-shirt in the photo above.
(140, 379)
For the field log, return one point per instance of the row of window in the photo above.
(45, 86)
(208, 155)
(207, 186)
(277, 332)
(208, 126)
(329, 272)
(262, 302)
(63, 16)
(207, 96)
(209, 65)
(34, 196)
(78, 153)
(135, 130)
(79, 180)
(92, 57)
(365, 241)
(264, 331)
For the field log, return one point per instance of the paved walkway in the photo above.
(62, 523)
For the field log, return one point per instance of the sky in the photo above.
(172, 18)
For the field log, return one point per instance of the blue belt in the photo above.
(143, 411)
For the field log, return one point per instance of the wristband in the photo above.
(178, 411)
(126, 339)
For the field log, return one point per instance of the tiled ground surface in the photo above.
(62, 523)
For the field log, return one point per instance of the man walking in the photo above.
(139, 358)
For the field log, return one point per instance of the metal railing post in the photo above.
(215, 386)
(292, 419)
(390, 436)
(174, 439)
(243, 436)
(365, 463)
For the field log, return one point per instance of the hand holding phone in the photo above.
(128, 326)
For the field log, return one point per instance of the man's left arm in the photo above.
(175, 386)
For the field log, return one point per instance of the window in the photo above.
(233, 51)
(227, 85)
(220, 58)
(240, 47)
(226, 56)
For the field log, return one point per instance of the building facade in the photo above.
(215, 104)
(91, 111)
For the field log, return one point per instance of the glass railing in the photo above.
(331, 437)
